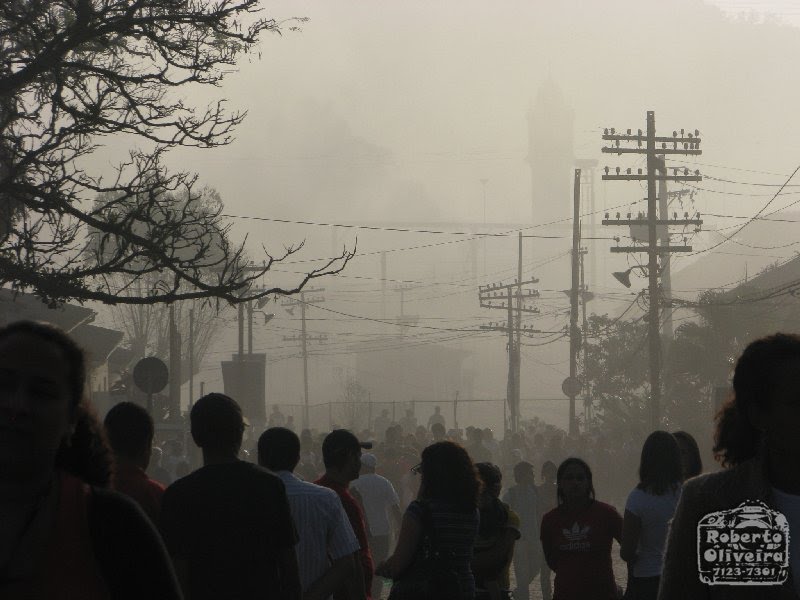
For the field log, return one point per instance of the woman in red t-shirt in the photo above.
(577, 536)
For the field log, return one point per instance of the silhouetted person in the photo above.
(577, 537)
(327, 547)
(498, 532)
(648, 511)
(523, 499)
(757, 443)
(63, 534)
(341, 453)
(382, 508)
(436, 417)
(438, 432)
(129, 429)
(228, 525)
(276, 418)
(691, 462)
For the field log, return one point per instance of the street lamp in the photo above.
(624, 277)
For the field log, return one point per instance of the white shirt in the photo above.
(378, 494)
(323, 528)
(655, 513)
(789, 505)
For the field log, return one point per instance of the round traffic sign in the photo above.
(571, 386)
(151, 375)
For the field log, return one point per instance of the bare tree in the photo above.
(73, 71)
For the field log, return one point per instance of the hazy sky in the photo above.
(395, 111)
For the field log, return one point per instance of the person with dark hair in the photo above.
(447, 504)
(63, 534)
(523, 499)
(228, 525)
(497, 534)
(341, 454)
(547, 493)
(327, 546)
(691, 462)
(129, 429)
(577, 537)
(648, 511)
(756, 442)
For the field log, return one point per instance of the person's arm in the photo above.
(631, 531)
(494, 558)
(548, 548)
(138, 568)
(334, 578)
(290, 575)
(407, 543)
(395, 518)
(355, 587)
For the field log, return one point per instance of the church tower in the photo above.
(551, 154)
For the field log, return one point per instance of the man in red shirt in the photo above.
(129, 428)
(341, 453)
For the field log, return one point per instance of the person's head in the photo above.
(549, 471)
(477, 435)
(764, 410)
(385, 412)
(279, 449)
(488, 434)
(448, 475)
(45, 420)
(437, 409)
(368, 462)
(492, 480)
(276, 408)
(217, 424)
(129, 429)
(660, 467)
(438, 432)
(523, 473)
(341, 454)
(691, 463)
(574, 478)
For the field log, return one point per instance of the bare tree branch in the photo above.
(72, 71)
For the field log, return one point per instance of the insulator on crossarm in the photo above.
(607, 170)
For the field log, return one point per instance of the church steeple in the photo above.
(550, 153)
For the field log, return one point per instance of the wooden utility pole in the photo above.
(572, 389)
(506, 295)
(304, 338)
(685, 144)
(191, 357)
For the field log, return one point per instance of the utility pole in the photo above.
(666, 274)
(191, 357)
(304, 338)
(586, 296)
(405, 320)
(571, 387)
(489, 296)
(684, 144)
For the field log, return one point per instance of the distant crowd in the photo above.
(92, 511)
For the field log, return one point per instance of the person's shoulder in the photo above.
(605, 508)
(112, 508)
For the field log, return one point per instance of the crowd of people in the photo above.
(418, 512)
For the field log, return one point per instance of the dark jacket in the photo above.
(702, 495)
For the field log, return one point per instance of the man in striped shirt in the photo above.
(327, 547)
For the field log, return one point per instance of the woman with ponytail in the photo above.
(757, 443)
